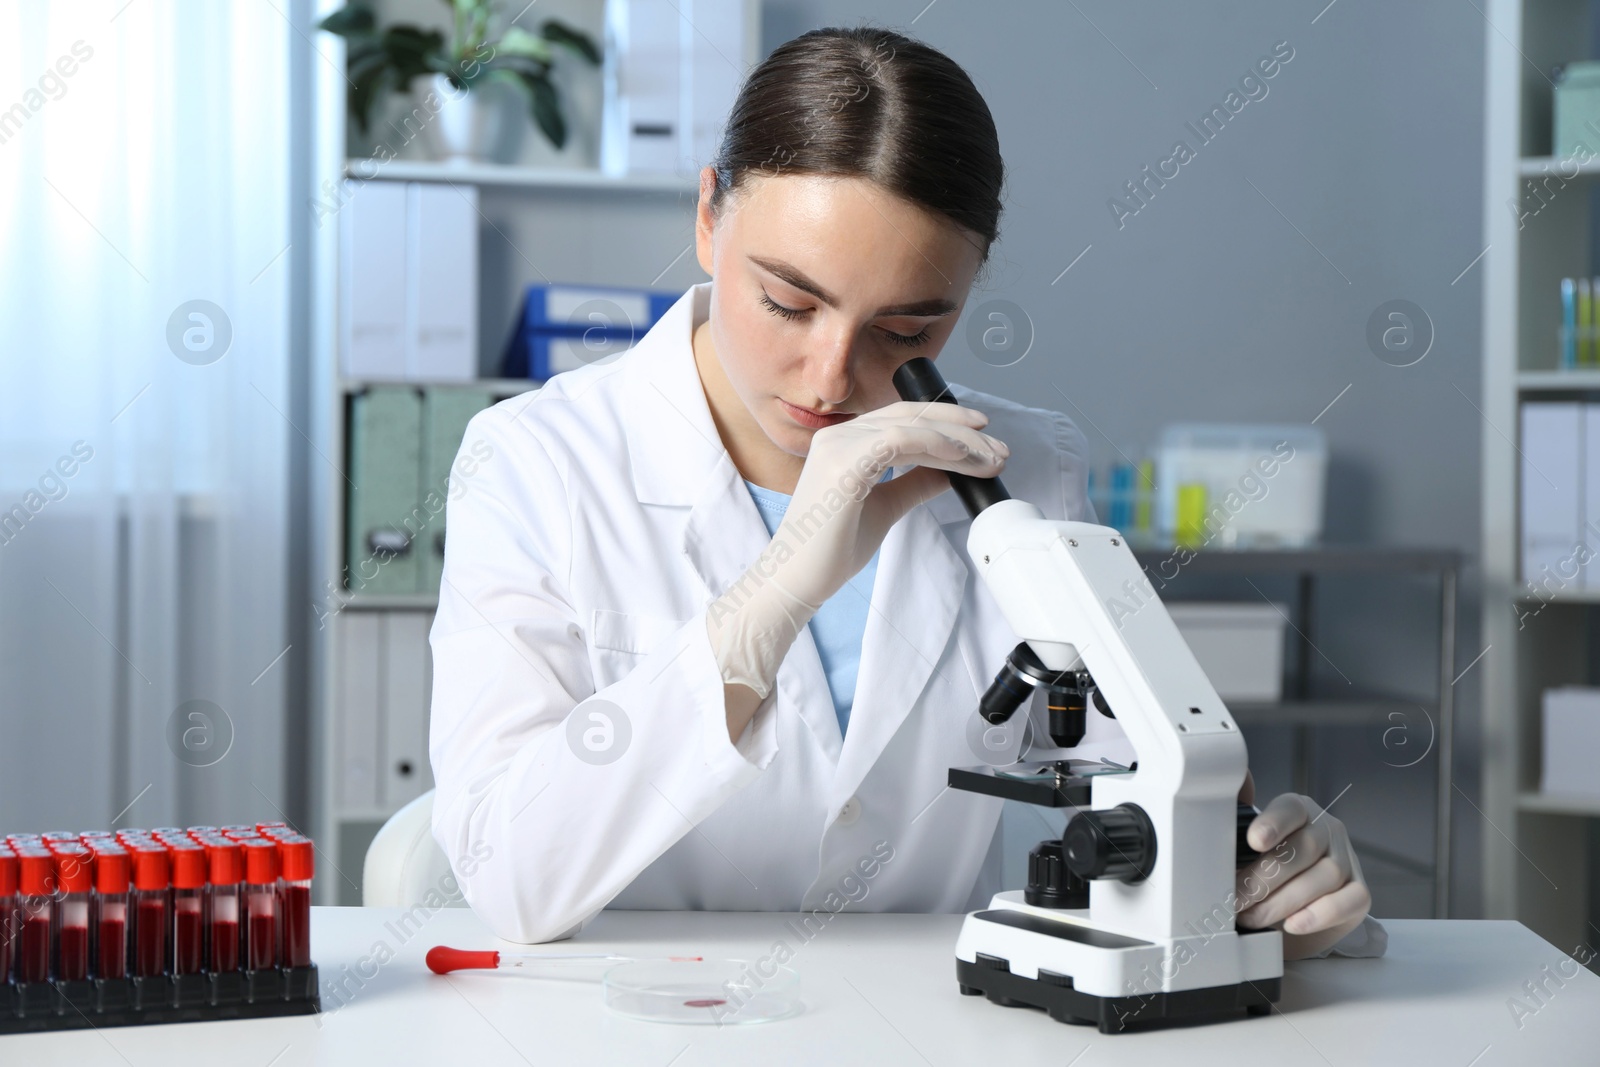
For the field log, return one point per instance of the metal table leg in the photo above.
(1445, 769)
(1302, 731)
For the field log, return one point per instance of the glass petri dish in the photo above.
(705, 992)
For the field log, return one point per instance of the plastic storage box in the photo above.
(1577, 110)
(1253, 485)
(1239, 646)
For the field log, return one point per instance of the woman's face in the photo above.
(822, 287)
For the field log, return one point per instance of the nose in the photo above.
(828, 371)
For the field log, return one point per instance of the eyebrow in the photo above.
(916, 309)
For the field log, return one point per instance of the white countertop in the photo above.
(879, 989)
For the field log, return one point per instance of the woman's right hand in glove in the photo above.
(837, 518)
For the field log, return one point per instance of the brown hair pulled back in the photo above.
(869, 103)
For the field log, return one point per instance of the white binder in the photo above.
(1552, 495)
(672, 71)
(442, 282)
(356, 762)
(372, 279)
(407, 683)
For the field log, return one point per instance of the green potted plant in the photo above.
(456, 70)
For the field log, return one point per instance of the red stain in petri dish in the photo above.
(707, 1003)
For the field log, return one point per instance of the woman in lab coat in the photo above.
(707, 636)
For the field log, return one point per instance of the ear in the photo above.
(704, 220)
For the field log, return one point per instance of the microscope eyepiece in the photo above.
(919, 379)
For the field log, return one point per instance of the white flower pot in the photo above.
(462, 126)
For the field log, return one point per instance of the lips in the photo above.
(814, 420)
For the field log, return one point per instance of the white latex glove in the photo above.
(1308, 878)
(836, 520)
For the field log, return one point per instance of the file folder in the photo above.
(442, 282)
(445, 414)
(1552, 497)
(563, 327)
(383, 503)
(407, 678)
(356, 730)
(372, 279)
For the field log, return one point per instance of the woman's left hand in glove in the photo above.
(1307, 880)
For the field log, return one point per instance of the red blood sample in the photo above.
(150, 926)
(33, 962)
(709, 1002)
(225, 861)
(225, 944)
(263, 938)
(36, 880)
(150, 922)
(8, 893)
(112, 869)
(74, 953)
(188, 883)
(296, 861)
(74, 880)
(187, 937)
(261, 899)
(113, 931)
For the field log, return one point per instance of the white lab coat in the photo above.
(581, 557)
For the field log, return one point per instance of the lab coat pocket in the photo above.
(618, 641)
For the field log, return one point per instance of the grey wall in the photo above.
(1212, 303)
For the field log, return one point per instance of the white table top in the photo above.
(879, 989)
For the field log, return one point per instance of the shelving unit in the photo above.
(493, 174)
(536, 224)
(1535, 852)
(1303, 711)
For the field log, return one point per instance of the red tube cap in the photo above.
(225, 860)
(113, 868)
(74, 869)
(8, 872)
(260, 861)
(188, 864)
(36, 870)
(297, 858)
(150, 867)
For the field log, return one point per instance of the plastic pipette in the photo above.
(442, 959)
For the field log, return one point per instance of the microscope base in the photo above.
(989, 977)
(1017, 954)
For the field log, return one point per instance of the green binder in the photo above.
(446, 411)
(382, 555)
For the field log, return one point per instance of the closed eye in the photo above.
(907, 340)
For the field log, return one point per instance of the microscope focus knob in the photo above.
(1118, 843)
(1051, 883)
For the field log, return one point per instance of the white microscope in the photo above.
(1128, 918)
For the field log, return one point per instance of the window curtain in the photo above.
(145, 434)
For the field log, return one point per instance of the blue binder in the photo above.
(562, 326)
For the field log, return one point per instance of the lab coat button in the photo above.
(850, 812)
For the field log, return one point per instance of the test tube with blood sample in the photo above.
(188, 862)
(36, 881)
(8, 910)
(74, 882)
(261, 903)
(112, 871)
(225, 860)
(296, 860)
(151, 880)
